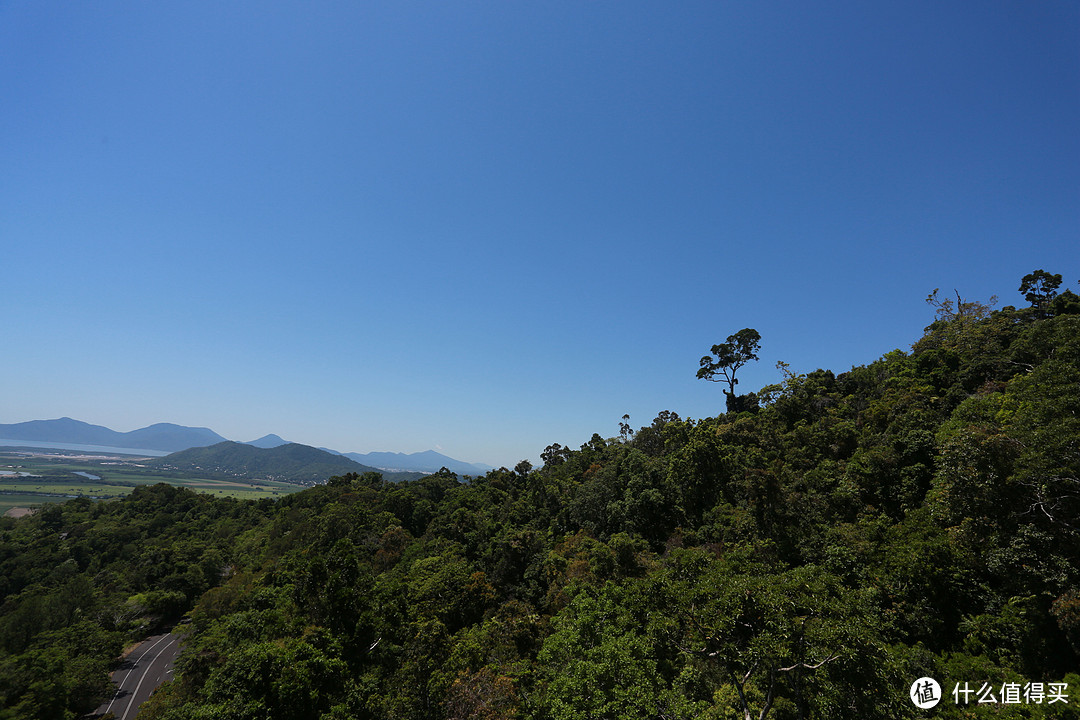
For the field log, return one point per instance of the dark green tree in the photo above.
(728, 357)
(1040, 289)
(554, 454)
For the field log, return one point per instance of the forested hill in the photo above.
(808, 556)
(291, 462)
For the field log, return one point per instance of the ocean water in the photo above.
(100, 449)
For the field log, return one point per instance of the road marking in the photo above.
(134, 694)
(120, 687)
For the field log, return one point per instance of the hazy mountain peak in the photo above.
(268, 441)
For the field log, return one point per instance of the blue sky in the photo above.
(487, 227)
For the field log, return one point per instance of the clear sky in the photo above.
(484, 227)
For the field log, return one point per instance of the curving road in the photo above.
(148, 665)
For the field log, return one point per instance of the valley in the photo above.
(32, 477)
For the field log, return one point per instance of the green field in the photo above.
(53, 479)
(25, 500)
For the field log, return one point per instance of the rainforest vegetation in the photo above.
(808, 553)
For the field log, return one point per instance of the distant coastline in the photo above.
(5, 442)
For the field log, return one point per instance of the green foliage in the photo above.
(599, 663)
(292, 463)
(1040, 289)
(914, 516)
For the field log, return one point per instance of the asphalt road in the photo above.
(148, 665)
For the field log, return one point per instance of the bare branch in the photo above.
(808, 666)
(746, 677)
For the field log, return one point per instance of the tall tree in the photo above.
(1040, 289)
(727, 358)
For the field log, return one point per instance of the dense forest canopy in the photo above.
(807, 554)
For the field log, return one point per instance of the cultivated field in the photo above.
(50, 476)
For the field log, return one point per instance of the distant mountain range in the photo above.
(426, 461)
(167, 437)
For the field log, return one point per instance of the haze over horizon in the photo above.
(161, 439)
(482, 229)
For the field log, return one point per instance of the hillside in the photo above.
(285, 463)
(166, 437)
(808, 555)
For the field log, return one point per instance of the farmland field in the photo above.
(30, 479)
